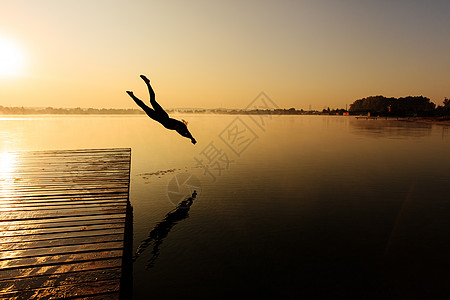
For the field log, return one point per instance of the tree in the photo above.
(446, 103)
(405, 106)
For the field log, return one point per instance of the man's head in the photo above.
(182, 130)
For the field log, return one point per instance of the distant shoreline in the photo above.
(443, 120)
(133, 111)
(50, 111)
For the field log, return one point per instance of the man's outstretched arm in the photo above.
(150, 112)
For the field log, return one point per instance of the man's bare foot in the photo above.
(146, 80)
(130, 93)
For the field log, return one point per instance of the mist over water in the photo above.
(301, 206)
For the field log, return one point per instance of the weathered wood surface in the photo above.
(62, 223)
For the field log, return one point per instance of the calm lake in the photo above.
(288, 206)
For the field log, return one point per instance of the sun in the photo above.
(11, 59)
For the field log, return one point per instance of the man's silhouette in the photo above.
(158, 114)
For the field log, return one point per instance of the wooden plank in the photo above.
(88, 196)
(57, 213)
(51, 230)
(47, 199)
(35, 252)
(63, 223)
(62, 219)
(102, 238)
(32, 271)
(59, 235)
(75, 189)
(58, 203)
(35, 282)
(110, 287)
(12, 226)
(23, 174)
(44, 223)
(59, 259)
(63, 206)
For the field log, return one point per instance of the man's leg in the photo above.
(158, 109)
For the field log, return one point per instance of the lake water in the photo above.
(288, 206)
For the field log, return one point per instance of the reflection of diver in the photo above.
(162, 229)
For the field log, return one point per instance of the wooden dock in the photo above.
(65, 221)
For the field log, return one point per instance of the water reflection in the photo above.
(445, 132)
(8, 163)
(162, 229)
(391, 128)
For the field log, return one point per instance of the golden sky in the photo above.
(209, 54)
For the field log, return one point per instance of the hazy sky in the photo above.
(209, 54)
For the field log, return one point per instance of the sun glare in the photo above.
(7, 164)
(7, 168)
(11, 59)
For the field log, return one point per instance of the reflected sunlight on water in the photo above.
(7, 167)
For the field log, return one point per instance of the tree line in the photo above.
(404, 106)
(66, 111)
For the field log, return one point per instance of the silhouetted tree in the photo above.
(444, 110)
(446, 103)
(405, 106)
